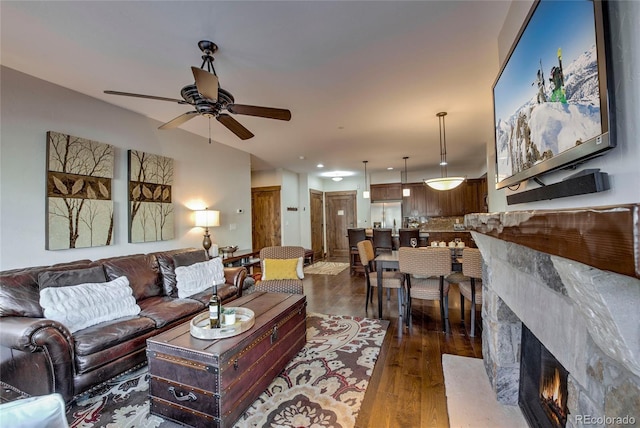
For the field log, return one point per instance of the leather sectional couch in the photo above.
(39, 356)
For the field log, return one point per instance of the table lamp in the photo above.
(207, 218)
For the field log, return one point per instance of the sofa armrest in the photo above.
(49, 337)
(235, 276)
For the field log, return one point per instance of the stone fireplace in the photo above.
(572, 278)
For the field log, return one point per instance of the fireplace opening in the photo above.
(543, 384)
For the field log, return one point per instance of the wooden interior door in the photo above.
(316, 212)
(341, 215)
(265, 217)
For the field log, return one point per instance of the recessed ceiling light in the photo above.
(320, 165)
(389, 168)
(301, 157)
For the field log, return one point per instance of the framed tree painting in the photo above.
(150, 205)
(79, 205)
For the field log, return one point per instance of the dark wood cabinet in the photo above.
(416, 203)
(386, 192)
(469, 197)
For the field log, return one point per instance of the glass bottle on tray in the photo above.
(215, 308)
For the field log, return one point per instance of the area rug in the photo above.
(323, 386)
(326, 268)
(470, 400)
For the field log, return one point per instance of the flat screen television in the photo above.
(552, 107)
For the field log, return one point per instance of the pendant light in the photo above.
(365, 193)
(444, 182)
(406, 192)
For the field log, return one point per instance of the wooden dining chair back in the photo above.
(277, 278)
(471, 283)
(382, 240)
(405, 236)
(390, 279)
(355, 235)
(425, 270)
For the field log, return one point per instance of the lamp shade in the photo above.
(444, 183)
(207, 218)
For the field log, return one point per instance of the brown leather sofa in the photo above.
(40, 356)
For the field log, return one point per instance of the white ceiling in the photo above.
(363, 80)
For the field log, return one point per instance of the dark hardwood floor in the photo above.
(407, 385)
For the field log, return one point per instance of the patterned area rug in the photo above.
(323, 386)
(326, 268)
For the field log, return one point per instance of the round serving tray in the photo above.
(200, 328)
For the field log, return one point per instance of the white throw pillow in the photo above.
(198, 277)
(84, 305)
(299, 270)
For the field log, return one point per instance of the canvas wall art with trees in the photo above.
(79, 203)
(150, 197)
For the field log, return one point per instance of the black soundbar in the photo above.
(588, 181)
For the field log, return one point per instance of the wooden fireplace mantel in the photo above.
(607, 238)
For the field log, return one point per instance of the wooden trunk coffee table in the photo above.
(210, 383)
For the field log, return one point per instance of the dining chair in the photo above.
(281, 279)
(355, 235)
(470, 284)
(382, 240)
(425, 270)
(405, 236)
(390, 279)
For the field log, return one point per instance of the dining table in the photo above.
(391, 260)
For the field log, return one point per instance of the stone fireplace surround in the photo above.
(573, 278)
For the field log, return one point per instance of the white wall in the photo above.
(290, 199)
(621, 163)
(213, 175)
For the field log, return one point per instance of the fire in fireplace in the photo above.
(543, 384)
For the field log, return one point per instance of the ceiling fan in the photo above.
(210, 100)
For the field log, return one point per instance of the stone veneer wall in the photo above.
(589, 319)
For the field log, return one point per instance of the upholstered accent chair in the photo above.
(46, 411)
(390, 279)
(471, 284)
(425, 270)
(276, 278)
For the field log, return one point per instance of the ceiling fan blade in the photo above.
(151, 97)
(234, 126)
(268, 112)
(174, 123)
(207, 83)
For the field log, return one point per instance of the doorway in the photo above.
(265, 217)
(317, 223)
(341, 215)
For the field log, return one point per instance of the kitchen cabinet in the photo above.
(386, 192)
(469, 197)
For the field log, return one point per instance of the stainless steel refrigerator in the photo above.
(387, 215)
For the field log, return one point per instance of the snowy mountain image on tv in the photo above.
(547, 98)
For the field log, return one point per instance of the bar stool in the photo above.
(382, 240)
(407, 234)
(355, 235)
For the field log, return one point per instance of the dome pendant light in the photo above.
(444, 182)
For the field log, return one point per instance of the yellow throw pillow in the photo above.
(280, 269)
